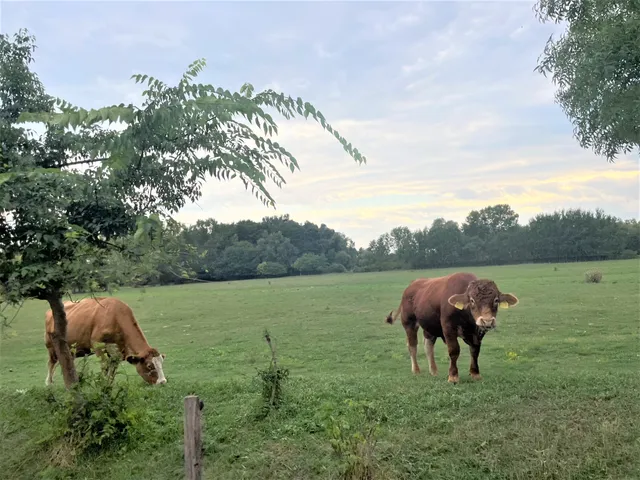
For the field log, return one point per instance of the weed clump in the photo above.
(272, 379)
(593, 276)
(353, 437)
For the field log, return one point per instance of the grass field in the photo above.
(559, 399)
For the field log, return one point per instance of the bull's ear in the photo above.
(133, 359)
(508, 300)
(163, 356)
(459, 301)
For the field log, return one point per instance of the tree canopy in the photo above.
(596, 66)
(492, 236)
(279, 246)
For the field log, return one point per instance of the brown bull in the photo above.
(457, 305)
(110, 321)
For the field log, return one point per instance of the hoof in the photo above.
(453, 379)
(416, 371)
(476, 376)
(434, 373)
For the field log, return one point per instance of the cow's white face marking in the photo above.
(157, 363)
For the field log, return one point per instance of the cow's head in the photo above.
(149, 366)
(482, 299)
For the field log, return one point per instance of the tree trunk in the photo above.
(59, 339)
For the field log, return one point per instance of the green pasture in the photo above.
(559, 399)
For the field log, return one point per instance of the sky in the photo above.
(441, 97)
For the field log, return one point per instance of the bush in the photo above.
(593, 276)
(628, 254)
(344, 259)
(271, 269)
(94, 414)
(310, 263)
(334, 268)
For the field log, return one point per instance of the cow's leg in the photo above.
(412, 344)
(474, 370)
(454, 352)
(53, 360)
(429, 342)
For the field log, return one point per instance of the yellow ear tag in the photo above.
(459, 305)
(504, 305)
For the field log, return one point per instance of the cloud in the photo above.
(322, 52)
(401, 21)
(383, 21)
(441, 97)
(280, 37)
(155, 35)
(416, 189)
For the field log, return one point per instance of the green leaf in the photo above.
(5, 177)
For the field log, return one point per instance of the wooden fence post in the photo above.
(192, 437)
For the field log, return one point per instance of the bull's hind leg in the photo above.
(53, 361)
(429, 342)
(412, 344)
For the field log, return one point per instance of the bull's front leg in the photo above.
(474, 370)
(454, 352)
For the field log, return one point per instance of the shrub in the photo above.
(310, 263)
(628, 254)
(95, 413)
(593, 276)
(272, 379)
(271, 269)
(334, 268)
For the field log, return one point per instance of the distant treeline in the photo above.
(279, 246)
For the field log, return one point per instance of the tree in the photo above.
(405, 245)
(238, 261)
(55, 224)
(632, 233)
(444, 243)
(168, 258)
(276, 248)
(596, 66)
(344, 259)
(489, 221)
(206, 241)
(58, 225)
(271, 269)
(310, 263)
(209, 238)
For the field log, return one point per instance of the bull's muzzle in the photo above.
(486, 322)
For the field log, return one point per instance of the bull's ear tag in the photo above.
(459, 305)
(504, 305)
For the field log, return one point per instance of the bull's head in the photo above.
(149, 366)
(482, 299)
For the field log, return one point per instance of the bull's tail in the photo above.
(392, 316)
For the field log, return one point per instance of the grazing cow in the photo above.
(109, 321)
(457, 305)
